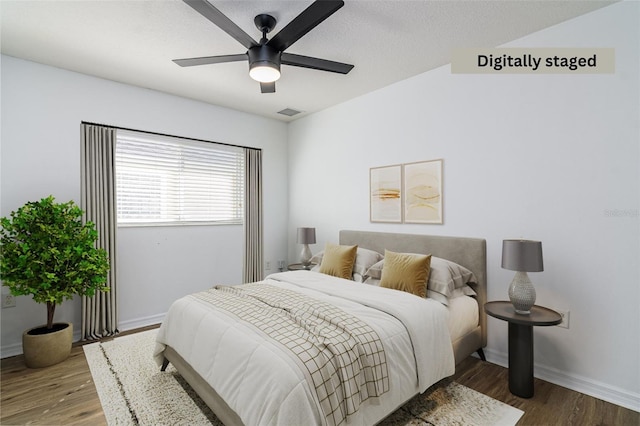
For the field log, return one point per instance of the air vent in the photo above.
(289, 112)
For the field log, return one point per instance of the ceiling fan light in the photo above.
(264, 72)
(264, 63)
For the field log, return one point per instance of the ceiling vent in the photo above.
(289, 112)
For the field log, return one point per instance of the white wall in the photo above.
(536, 156)
(42, 108)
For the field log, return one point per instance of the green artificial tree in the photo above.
(46, 251)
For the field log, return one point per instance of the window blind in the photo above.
(167, 180)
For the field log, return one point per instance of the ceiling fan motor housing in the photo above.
(264, 55)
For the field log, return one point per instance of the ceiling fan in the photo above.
(266, 56)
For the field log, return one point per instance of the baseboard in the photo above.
(11, 350)
(141, 322)
(574, 382)
(16, 348)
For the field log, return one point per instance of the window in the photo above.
(162, 180)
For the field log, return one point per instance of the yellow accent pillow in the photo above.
(406, 272)
(338, 260)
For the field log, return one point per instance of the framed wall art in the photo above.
(423, 192)
(385, 194)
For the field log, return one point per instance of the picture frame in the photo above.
(422, 192)
(385, 194)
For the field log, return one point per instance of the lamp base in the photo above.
(305, 256)
(522, 294)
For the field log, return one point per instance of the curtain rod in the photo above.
(165, 134)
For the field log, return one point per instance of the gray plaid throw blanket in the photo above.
(343, 355)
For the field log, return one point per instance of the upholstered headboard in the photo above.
(468, 252)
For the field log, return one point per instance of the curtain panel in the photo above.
(253, 255)
(98, 201)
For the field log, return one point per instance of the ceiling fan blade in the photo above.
(315, 63)
(303, 23)
(206, 60)
(268, 87)
(207, 10)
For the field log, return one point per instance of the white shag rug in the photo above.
(133, 391)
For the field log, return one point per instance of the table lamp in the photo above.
(522, 256)
(306, 236)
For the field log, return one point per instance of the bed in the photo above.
(247, 378)
(468, 252)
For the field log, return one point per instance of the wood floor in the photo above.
(64, 394)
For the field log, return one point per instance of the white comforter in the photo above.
(265, 386)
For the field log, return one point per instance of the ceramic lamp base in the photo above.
(305, 255)
(522, 294)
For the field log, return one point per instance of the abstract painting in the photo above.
(423, 192)
(385, 185)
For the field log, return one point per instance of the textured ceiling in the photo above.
(134, 42)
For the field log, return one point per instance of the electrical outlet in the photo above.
(8, 300)
(267, 265)
(565, 318)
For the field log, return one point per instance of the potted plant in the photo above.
(47, 252)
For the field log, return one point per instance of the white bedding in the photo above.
(463, 316)
(263, 384)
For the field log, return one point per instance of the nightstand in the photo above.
(521, 341)
(300, 267)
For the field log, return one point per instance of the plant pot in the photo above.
(43, 348)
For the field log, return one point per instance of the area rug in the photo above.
(133, 391)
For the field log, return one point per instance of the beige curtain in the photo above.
(253, 256)
(100, 313)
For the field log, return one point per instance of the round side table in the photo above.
(521, 341)
(300, 267)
